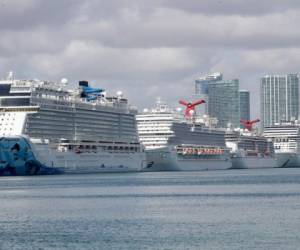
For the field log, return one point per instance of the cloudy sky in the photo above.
(150, 48)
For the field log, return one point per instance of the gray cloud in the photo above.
(26, 14)
(233, 7)
(150, 47)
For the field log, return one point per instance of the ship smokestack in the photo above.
(84, 83)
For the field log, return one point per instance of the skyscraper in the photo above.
(201, 89)
(279, 98)
(244, 105)
(224, 102)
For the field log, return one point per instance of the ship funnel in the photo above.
(84, 83)
(88, 92)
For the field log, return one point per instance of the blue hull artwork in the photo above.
(17, 158)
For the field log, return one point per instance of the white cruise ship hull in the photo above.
(288, 160)
(19, 156)
(249, 162)
(71, 162)
(165, 159)
(109, 162)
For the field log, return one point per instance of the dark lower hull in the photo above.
(29, 168)
(18, 158)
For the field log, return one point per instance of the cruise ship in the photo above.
(249, 150)
(45, 125)
(286, 139)
(174, 142)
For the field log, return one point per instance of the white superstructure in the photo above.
(250, 150)
(76, 130)
(286, 139)
(173, 143)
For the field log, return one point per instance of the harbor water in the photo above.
(233, 209)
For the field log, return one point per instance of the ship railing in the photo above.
(103, 146)
(200, 150)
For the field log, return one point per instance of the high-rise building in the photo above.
(279, 98)
(224, 102)
(244, 105)
(201, 89)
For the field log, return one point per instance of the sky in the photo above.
(150, 48)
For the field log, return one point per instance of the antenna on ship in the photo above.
(158, 102)
(10, 76)
(160, 105)
(229, 126)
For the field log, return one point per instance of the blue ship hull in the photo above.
(17, 158)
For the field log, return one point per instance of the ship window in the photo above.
(15, 102)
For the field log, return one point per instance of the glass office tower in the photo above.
(279, 98)
(244, 105)
(224, 102)
(201, 89)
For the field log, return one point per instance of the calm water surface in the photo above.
(236, 209)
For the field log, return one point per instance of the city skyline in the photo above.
(279, 99)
